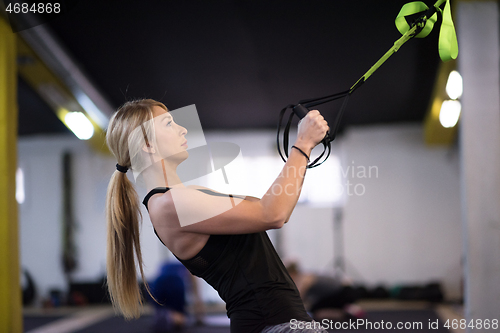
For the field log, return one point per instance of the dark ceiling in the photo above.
(240, 62)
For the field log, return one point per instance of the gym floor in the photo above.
(101, 319)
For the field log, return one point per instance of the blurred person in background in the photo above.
(325, 297)
(173, 289)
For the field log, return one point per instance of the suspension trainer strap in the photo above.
(287, 131)
(420, 27)
(320, 100)
(333, 131)
(285, 135)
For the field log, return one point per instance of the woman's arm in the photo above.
(282, 196)
(198, 212)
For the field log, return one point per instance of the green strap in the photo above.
(448, 45)
(410, 9)
(397, 44)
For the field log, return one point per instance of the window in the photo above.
(255, 175)
(20, 186)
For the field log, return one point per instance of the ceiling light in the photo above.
(454, 86)
(449, 114)
(79, 124)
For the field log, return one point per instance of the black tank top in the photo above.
(249, 276)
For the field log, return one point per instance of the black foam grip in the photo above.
(300, 110)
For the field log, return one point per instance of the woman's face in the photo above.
(170, 141)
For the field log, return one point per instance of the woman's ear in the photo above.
(148, 149)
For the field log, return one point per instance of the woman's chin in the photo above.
(181, 157)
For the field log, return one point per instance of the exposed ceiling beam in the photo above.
(58, 60)
(57, 78)
(53, 90)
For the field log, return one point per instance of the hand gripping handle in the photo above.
(301, 111)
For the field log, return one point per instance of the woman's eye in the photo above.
(169, 123)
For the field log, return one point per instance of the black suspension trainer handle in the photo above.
(301, 111)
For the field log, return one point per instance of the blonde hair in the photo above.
(123, 214)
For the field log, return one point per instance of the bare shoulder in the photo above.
(163, 215)
(162, 210)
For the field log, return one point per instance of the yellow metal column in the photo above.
(10, 289)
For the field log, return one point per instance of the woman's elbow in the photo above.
(273, 218)
(278, 222)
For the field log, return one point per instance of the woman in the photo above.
(226, 245)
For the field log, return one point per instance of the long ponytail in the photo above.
(123, 249)
(123, 213)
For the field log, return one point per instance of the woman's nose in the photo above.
(183, 130)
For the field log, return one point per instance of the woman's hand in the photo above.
(312, 130)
